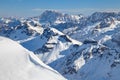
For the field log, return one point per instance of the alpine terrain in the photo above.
(78, 47)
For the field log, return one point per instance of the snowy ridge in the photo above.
(55, 44)
(21, 64)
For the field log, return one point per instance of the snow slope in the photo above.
(17, 63)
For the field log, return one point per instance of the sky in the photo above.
(27, 8)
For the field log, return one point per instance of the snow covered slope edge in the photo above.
(17, 63)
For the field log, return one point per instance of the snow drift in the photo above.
(17, 63)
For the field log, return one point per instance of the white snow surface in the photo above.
(17, 63)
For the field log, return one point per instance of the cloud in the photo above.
(63, 10)
(81, 10)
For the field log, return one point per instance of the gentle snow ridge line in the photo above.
(17, 63)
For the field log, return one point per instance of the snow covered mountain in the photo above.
(55, 17)
(45, 42)
(58, 20)
(91, 25)
(100, 50)
(56, 43)
(17, 63)
(53, 39)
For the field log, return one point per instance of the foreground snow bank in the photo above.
(17, 63)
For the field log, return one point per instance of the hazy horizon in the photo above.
(27, 8)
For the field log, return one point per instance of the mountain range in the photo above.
(79, 47)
